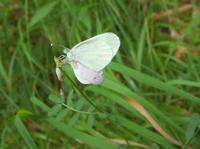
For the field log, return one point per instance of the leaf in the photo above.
(54, 110)
(151, 81)
(24, 133)
(95, 142)
(184, 82)
(3, 72)
(24, 113)
(70, 98)
(91, 118)
(75, 118)
(61, 115)
(55, 98)
(140, 130)
(39, 103)
(155, 146)
(90, 121)
(191, 130)
(41, 13)
(126, 92)
(141, 43)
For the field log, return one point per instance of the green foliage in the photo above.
(41, 13)
(148, 69)
(97, 142)
(24, 133)
(193, 129)
(155, 146)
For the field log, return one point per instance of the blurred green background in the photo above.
(157, 67)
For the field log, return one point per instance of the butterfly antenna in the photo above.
(57, 45)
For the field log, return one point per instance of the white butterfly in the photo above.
(89, 57)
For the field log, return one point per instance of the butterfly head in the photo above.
(69, 54)
(65, 58)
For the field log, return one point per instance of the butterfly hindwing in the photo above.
(86, 75)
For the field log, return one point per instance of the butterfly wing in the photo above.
(96, 52)
(86, 75)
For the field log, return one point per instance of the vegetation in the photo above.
(150, 97)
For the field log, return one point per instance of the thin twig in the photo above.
(75, 110)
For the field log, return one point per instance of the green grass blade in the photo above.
(39, 103)
(92, 141)
(3, 73)
(144, 132)
(55, 99)
(191, 130)
(148, 80)
(120, 89)
(54, 110)
(140, 50)
(41, 13)
(184, 82)
(24, 133)
(193, 24)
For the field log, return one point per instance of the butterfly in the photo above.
(90, 57)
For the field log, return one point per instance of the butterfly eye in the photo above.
(66, 50)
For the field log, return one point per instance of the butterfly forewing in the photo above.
(96, 52)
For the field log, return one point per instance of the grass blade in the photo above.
(24, 133)
(191, 130)
(96, 142)
(148, 80)
(41, 13)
